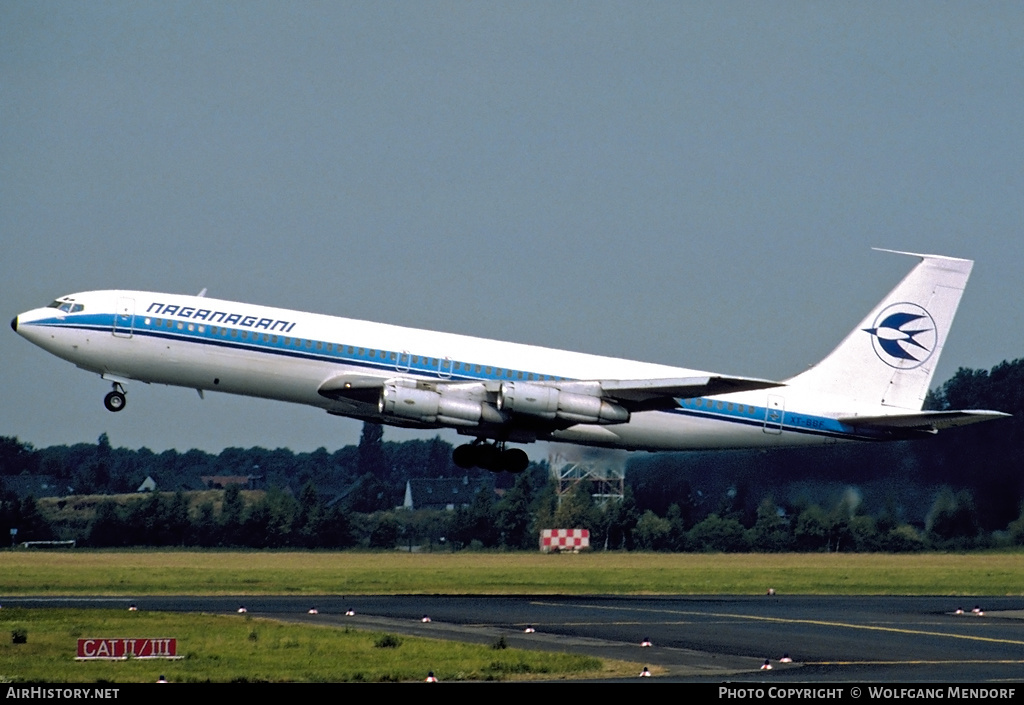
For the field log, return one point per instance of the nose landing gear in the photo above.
(115, 400)
(493, 457)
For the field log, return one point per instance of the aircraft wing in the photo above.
(926, 421)
(651, 394)
(535, 404)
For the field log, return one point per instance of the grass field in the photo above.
(219, 649)
(134, 573)
(225, 649)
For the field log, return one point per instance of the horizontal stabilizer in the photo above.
(650, 394)
(927, 421)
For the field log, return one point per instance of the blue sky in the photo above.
(696, 184)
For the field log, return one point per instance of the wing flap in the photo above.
(651, 394)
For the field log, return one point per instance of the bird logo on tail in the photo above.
(904, 335)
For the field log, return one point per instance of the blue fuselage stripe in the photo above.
(433, 368)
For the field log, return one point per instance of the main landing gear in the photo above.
(115, 400)
(493, 457)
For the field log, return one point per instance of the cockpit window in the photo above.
(67, 306)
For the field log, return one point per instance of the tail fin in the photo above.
(890, 357)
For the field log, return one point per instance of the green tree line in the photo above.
(960, 490)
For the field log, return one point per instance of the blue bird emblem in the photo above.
(903, 336)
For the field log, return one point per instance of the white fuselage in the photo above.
(239, 348)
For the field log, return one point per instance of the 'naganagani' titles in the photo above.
(222, 317)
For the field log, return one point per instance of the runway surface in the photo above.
(712, 639)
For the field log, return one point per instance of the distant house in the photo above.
(445, 492)
(219, 482)
(169, 482)
(148, 485)
(35, 486)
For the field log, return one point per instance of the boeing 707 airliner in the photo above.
(870, 388)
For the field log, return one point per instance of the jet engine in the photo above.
(552, 403)
(428, 406)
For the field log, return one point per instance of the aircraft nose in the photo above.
(14, 324)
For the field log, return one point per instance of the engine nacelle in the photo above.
(529, 399)
(428, 407)
(551, 403)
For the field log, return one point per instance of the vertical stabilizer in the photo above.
(890, 358)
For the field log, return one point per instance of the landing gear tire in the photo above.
(464, 456)
(114, 401)
(515, 460)
(490, 457)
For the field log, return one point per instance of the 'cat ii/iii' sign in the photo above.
(126, 648)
